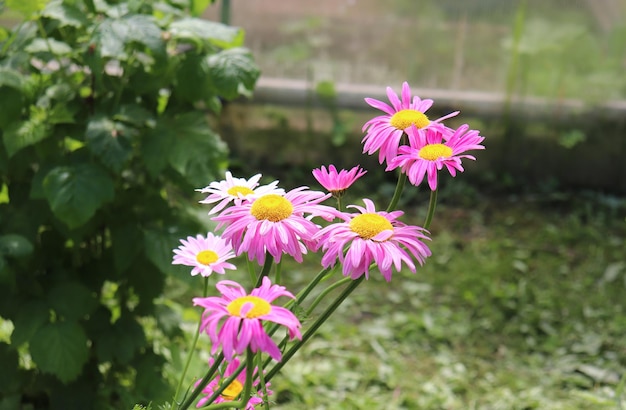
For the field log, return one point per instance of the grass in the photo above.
(520, 307)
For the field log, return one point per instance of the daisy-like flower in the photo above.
(206, 255)
(234, 388)
(372, 237)
(337, 182)
(243, 317)
(430, 151)
(385, 131)
(275, 224)
(236, 190)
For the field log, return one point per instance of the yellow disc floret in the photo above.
(368, 226)
(207, 257)
(433, 152)
(232, 391)
(403, 119)
(236, 190)
(271, 207)
(260, 307)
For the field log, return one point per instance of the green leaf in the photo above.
(11, 78)
(233, 72)
(159, 245)
(26, 7)
(76, 192)
(49, 45)
(155, 145)
(120, 341)
(30, 317)
(60, 349)
(10, 365)
(110, 141)
(65, 14)
(200, 30)
(198, 7)
(127, 242)
(72, 300)
(20, 135)
(15, 245)
(114, 35)
(198, 154)
(11, 105)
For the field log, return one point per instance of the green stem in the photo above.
(251, 269)
(325, 292)
(247, 387)
(191, 350)
(259, 366)
(266, 269)
(225, 383)
(205, 380)
(432, 204)
(315, 326)
(277, 277)
(398, 192)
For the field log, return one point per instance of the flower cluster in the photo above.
(267, 222)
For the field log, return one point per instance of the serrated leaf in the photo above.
(60, 349)
(15, 245)
(110, 141)
(133, 114)
(30, 317)
(72, 300)
(200, 30)
(158, 245)
(114, 35)
(198, 154)
(19, 135)
(233, 72)
(50, 45)
(65, 14)
(193, 80)
(120, 341)
(76, 192)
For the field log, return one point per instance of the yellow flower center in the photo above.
(433, 152)
(236, 190)
(271, 207)
(403, 119)
(232, 391)
(368, 226)
(260, 307)
(206, 257)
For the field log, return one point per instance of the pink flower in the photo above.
(234, 388)
(236, 190)
(428, 152)
(243, 317)
(372, 237)
(206, 255)
(275, 224)
(337, 182)
(385, 131)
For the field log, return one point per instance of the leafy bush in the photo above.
(103, 118)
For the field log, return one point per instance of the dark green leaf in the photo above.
(11, 105)
(120, 341)
(10, 364)
(20, 135)
(60, 349)
(233, 72)
(134, 114)
(159, 246)
(155, 147)
(65, 14)
(15, 245)
(198, 154)
(29, 319)
(114, 35)
(200, 30)
(49, 45)
(11, 78)
(76, 192)
(72, 300)
(110, 141)
(193, 79)
(127, 242)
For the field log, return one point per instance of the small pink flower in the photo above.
(430, 151)
(275, 224)
(234, 388)
(337, 182)
(206, 255)
(372, 237)
(236, 190)
(243, 317)
(385, 131)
